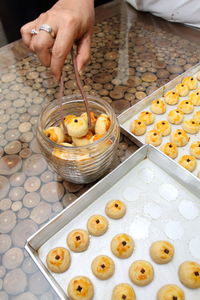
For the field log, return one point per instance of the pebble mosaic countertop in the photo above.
(132, 55)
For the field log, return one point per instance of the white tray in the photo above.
(162, 203)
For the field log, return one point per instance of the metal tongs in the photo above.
(79, 84)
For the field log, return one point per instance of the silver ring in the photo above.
(34, 31)
(48, 29)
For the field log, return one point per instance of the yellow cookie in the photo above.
(171, 98)
(138, 127)
(186, 106)
(170, 149)
(197, 116)
(195, 149)
(93, 119)
(182, 89)
(147, 117)
(102, 124)
(55, 134)
(189, 274)
(78, 240)
(141, 272)
(170, 292)
(191, 82)
(189, 162)
(103, 267)
(77, 127)
(84, 140)
(115, 209)
(80, 288)
(179, 137)
(164, 127)
(122, 245)
(153, 137)
(175, 116)
(158, 107)
(194, 97)
(123, 291)
(97, 225)
(58, 260)
(162, 252)
(191, 126)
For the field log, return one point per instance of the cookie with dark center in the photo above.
(171, 292)
(103, 267)
(189, 274)
(80, 287)
(115, 209)
(58, 260)
(123, 291)
(122, 245)
(141, 272)
(161, 252)
(78, 240)
(97, 225)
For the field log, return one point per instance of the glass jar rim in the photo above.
(72, 98)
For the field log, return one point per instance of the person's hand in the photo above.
(71, 22)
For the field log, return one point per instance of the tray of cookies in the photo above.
(133, 234)
(169, 119)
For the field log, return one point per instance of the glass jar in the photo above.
(82, 164)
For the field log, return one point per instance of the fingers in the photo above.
(83, 52)
(26, 33)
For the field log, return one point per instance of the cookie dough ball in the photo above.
(84, 140)
(158, 107)
(189, 162)
(191, 126)
(77, 127)
(194, 97)
(141, 272)
(115, 209)
(102, 124)
(171, 98)
(138, 127)
(147, 117)
(58, 260)
(175, 116)
(93, 119)
(55, 134)
(191, 82)
(195, 149)
(97, 225)
(103, 267)
(170, 149)
(153, 137)
(164, 127)
(122, 245)
(80, 288)
(162, 252)
(186, 106)
(179, 137)
(197, 116)
(123, 291)
(182, 89)
(189, 274)
(78, 240)
(170, 292)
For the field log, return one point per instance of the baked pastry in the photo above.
(77, 127)
(123, 291)
(62, 153)
(138, 127)
(153, 137)
(147, 117)
(163, 127)
(182, 89)
(141, 272)
(93, 119)
(122, 245)
(58, 260)
(115, 209)
(80, 288)
(194, 97)
(179, 137)
(186, 106)
(158, 107)
(197, 116)
(191, 82)
(189, 162)
(78, 240)
(102, 124)
(191, 126)
(170, 149)
(195, 149)
(55, 134)
(84, 140)
(171, 98)
(103, 267)
(175, 116)
(162, 252)
(170, 292)
(189, 274)
(97, 225)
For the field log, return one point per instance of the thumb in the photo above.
(83, 52)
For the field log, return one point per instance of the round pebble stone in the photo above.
(32, 184)
(31, 200)
(120, 105)
(11, 110)
(57, 207)
(23, 213)
(13, 258)
(15, 282)
(13, 124)
(12, 134)
(4, 118)
(19, 103)
(24, 117)
(22, 231)
(175, 69)
(26, 137)
(13, 147)
(2, 272)
(17, 179)
(34, 110)
(32, 75)
(5, 242)
(22, 110)
(3, 295)
(47, 176)
(15, 116)
(25, 153)
(34, 120)
(38, 284)
(68, 199)
(38, 100)
(5, 204)
(24, 127)
(41, 213)
(7, 221)
(140, 95)
(16, 193)
(52, 191)
(8, 77)
(3, 128)
(149, 77)
(35, 165)
(26, 296)
(4, 187)
(26, 90)
(17, 205)
(72, 187)
(29, 266)
(3, 143)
